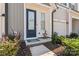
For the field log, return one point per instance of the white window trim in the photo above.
(44, 21)
(57, 20)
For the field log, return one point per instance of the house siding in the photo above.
(60, 18)
(2, 19)
(16, 18)
(60, 14)
(75, 26)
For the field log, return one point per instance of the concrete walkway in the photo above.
(41, 50)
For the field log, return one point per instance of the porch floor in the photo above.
(38, 41)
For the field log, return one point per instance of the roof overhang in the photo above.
(40, 7)
(74, 14)
(52, 6)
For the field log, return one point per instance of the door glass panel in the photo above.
(30, 20)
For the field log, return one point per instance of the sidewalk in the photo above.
(41, 50)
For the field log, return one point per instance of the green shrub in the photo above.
(11, 37)
(69, 51)
(77, 38)
(72, 46)
(73, 35)
(56, 39)
(67, 36)
(9, 48)
(62, 37)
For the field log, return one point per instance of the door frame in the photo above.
(25, 25)
(29, 32)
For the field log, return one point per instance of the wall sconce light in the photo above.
(3, 15)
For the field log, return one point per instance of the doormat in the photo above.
(33, 40)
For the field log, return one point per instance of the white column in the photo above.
(50, 24)
(70, 23)
(78, 7)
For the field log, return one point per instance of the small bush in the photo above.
(72, 47)
(68, 36)
(56, 39)
(73, 35)
(11, 37)
(9, 48)
(62, 37)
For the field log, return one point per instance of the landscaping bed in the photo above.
(71, 47)
(24, 50)
(9, 46)
(70, 43)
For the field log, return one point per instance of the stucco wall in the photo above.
(16, 18)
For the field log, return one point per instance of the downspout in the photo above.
(53, 20)
(6, 18)
(53, 17)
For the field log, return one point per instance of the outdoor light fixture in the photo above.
(3, 15)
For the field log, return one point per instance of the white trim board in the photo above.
(31, 38)
(59, 20)
(44, 5)
(25, 23)
(75, 17)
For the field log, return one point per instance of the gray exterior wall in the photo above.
(16, 18)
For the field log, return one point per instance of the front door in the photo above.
(31, 23)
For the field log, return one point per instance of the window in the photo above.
(30, 20)
(64, 4)
(42, 21)
(73, 6)
(47, 4)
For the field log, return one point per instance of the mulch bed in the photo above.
(57, 49)
(51, 46)
(24, 50)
